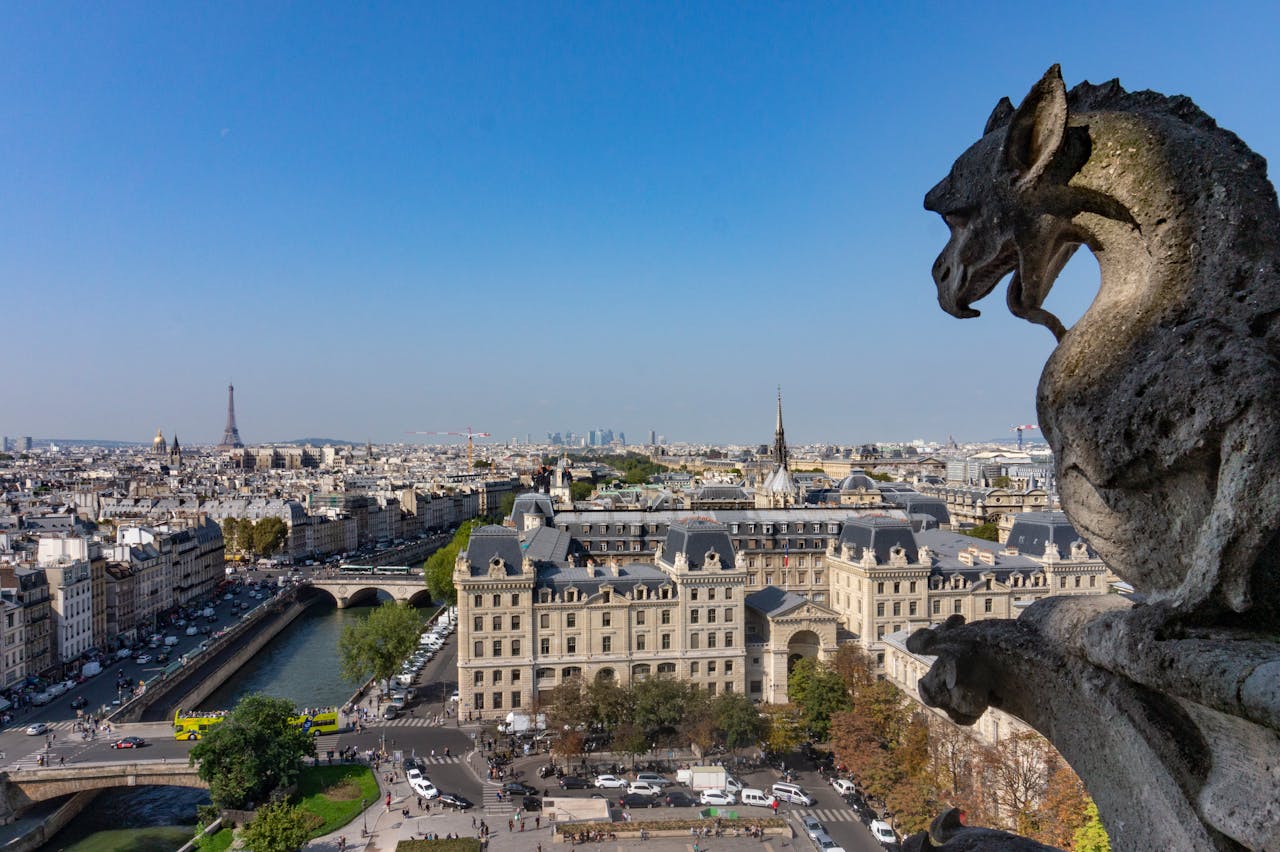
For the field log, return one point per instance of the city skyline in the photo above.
(668, 211)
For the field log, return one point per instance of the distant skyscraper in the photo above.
(4, 444)
(653, 437)
(25, 443)
(231, 435)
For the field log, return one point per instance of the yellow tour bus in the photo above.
(193, 725)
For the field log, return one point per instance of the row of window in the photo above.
(497, 646)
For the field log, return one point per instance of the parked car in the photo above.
(35, 729)
(637, 800)
(129, 742)
(609, 782)
(644, 788)
(653, 778)
(717, 797)
(679, 799)
(573, 782)
(843, 786)
(883, 832)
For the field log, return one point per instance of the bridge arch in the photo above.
(420, 598)
(368, 596)
(29, 787)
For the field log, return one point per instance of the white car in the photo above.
(610, 782)
(143, 659)
(422, 785)
(883, 832)
(843, 786)
(826, 844)
(717, 797)
(644, 788)
(733, 785)
(37, 728)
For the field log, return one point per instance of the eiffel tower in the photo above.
(231, 435)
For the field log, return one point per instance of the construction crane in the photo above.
(1020, 430)
(470, 435)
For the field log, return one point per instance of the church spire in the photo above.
(779, 439)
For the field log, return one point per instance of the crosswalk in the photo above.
(829, 814)
(409, 722)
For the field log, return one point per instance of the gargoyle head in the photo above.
(958, 682)
(997, 224)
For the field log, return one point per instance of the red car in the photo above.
(129, 742)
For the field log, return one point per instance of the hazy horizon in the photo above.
(526, 219)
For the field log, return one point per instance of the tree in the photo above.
(269, 535)
(739, 721)
(1092, 836)
(819, 691)
(277, 827)
(854, 666)
(565, 707)
(1015, 775)
(659, 706)
(376, 646)
(784, 731)
(629, 739)
(1063, 809)
(988, 531)
(1001, 482)
(581, 489)
(508, 504)
(252, 753)
(481, 464)
(438, 569)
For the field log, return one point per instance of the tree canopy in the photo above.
(438, 569)
(252, 753)
(376, 646)
(277, 827)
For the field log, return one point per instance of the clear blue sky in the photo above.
(535, 217)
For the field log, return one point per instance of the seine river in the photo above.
(300, 664)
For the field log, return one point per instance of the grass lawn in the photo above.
(333, 794)
(219, 841)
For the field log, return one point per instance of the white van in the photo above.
(759, 798)
(794, 794)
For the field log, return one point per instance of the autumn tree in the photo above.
(1092, 835)
(738, 720)
(1015, 777)
(784, 727)
(1062, 810)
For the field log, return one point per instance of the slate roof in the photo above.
(772, 601)
(880, 535)
(546, 544)
(947, 546)
(561, 577)
(488, 542)
(916, 503)
(531, 503)
(1033, 530)
(695, 538)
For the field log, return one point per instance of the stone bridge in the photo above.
(353, 589)
(21, 788)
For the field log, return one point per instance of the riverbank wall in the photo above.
(56, 821)
(206, 685)
(178, 687)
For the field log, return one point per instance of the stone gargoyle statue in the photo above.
(1162, 406)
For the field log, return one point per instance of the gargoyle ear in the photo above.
(999, 116)
(1037, 129)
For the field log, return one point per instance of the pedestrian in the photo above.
(537, 823)
(511, 825)
(388, 803)
(62, 760)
